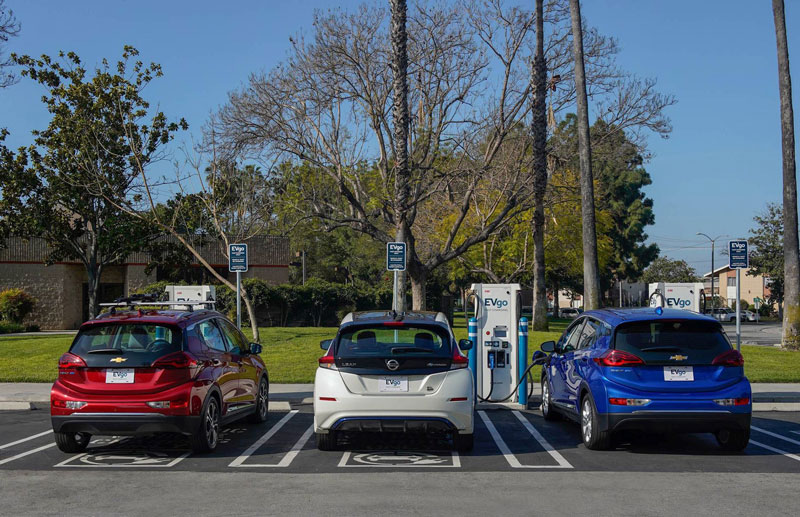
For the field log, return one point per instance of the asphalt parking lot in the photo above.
(505, 440)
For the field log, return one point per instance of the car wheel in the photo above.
(72, 442)
(593, 437)
(463, 442)
(262, 403)
(548, 413)
(326, 441)
(206, 437)
(733, 439)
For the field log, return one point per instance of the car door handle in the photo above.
(216, 362)
(585, 359)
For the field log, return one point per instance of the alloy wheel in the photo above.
(212, 423)
(263, 399)
(586, 420)
(545, 396)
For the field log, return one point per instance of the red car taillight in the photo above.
(70, 361)
(729, 358)
(618, 358)
(176, 360)
(459, 360)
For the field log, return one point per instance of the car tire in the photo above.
(72, 442)
(326, 441)
(463, 442)
(548, 412)
(593, 437)
(207, 435)
(262, 403)
(733, 440)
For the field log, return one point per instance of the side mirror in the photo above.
(465, 344)
(539, 357)
(548, 346)
(255, 348)
(325, 344)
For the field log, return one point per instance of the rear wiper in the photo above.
(661, 349)
(410, 349)
(106, 351)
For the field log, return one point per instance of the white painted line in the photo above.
(68, 462)
(23, 454)
(344, 462)
(510, 457)
(290, 456)
(64, 463)
(544, 443)
(25, 439)
(261, 441)
(773, 449)
(775, 435)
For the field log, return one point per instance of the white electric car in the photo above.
(394, 372)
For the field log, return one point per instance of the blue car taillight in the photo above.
(740, 401)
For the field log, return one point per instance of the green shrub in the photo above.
(15, 304)
(32, 328)
(10, 327)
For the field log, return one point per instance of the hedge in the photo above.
(317, 303)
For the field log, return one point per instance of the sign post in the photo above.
(738, 260)
(395, 261)
(237, 263)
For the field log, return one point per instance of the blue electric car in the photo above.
(647, 369)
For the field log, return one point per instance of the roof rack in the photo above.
(150, 300)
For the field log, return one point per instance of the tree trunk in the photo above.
(400, 118)
(591, 272)
(539, 141)
(419, 279)
(251, 314)
(556, 308)
(93, 272)
(791, 252)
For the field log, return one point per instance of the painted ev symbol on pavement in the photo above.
(127, 457)
(400, 458)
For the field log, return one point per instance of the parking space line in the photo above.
(773, 449)
(49, 431)
(344, 463)
(508, 455)
(27, 453)
(774, 435)
(238, 462)
(290, 456)
(544, 443)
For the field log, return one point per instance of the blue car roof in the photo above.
(616, 317)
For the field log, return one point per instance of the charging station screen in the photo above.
(500, 333)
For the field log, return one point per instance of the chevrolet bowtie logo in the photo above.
(679, 357)
(118, 360)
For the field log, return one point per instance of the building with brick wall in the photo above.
(61, 288)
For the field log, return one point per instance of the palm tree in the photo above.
(591, 273)
(539, 141)
(791, 253)
(399, 38)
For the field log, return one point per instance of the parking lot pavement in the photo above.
(504, 441)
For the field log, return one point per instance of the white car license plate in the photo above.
(678, 373)
(119, 376)
(393, 383)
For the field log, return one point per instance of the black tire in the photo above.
(593, 437)
(548, 412)
(463, 442)
(262, 403)
(326, 441)
(207, 435)
(72, 442)
(733, 440)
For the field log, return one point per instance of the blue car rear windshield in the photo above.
(383, 341)
(672, 341)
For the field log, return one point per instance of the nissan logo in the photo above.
(392, 364)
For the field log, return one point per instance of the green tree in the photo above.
(665, 269)
(67, 186)
(766, 257)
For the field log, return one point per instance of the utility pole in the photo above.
(713, 300)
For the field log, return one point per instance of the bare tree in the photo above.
(400, 121)
(539, 150)
(9, 27)
(591, 270)
(791, 252)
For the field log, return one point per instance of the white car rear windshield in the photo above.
(384, 341)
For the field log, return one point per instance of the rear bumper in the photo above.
(124, 424)
(675, 421)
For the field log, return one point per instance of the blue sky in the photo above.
(720, 166)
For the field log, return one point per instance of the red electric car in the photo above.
(141, 371)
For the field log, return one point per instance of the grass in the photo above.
(291, 354)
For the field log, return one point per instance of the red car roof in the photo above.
(152, 317)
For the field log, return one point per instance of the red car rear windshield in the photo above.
(128, 345)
